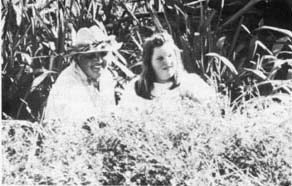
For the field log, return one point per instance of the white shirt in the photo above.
(74, 99)
(191, 86)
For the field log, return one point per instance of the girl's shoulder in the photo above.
(194, 86)
(192, 78)
(130, 99)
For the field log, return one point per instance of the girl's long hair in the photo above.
(145, 84)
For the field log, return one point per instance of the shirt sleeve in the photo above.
(129, 98)
(197, 89)
(66, 104)
(71, 100)
(106, 89)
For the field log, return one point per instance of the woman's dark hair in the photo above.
(145, 84)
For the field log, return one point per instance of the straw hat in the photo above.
(93, 39)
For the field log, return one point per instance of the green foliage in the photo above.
(196, 145)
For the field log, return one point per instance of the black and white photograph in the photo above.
(146, 92)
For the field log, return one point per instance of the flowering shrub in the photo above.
(195, 145)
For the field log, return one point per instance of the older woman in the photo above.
(85, 88)
(163, 76)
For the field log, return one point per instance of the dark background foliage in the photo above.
(248, 43)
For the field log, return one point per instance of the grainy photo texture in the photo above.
(146, 92)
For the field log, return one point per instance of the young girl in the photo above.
(163, 76)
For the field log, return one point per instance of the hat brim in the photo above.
(109, 45)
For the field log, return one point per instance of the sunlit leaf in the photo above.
(26, 57)
(193, 3)
(28, 109)
(39, 79)
(40, 20)
(33, 20)
(54, 31)
(137, 43)
(278, 63)
(263, 46)
(285, 52)
(120, 57)
(45, 12)
(269, 57)
(220, 43)
(222, 4)
(136, 64)
(283, 31)
(131, 14)
(22, 38)
(75, 9)
(258, 73)
(279, 44)
(264, 59)
(128, 72)
(282, 84)
(18, 12)
(41, 4)
(245, 28)
(51, 45)
(154, 16)
(225, 61)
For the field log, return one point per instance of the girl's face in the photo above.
(164, 62)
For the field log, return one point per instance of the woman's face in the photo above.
(164, 62)
(92, 64)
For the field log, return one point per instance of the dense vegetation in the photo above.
(243, 47)
(196, 145)
(239, 44)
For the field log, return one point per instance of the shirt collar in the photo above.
(160, 89)
(84, 78)
(78, 71)
(166, 85)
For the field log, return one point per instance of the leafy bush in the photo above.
(196, 145)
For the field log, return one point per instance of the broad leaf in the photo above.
(225, 61)
(279, 44)
(283, 31)
(258, 73)
(263, 46)
(25, 57)
(194, 3)
(18, 12)
(39, 79)
(220, 43)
